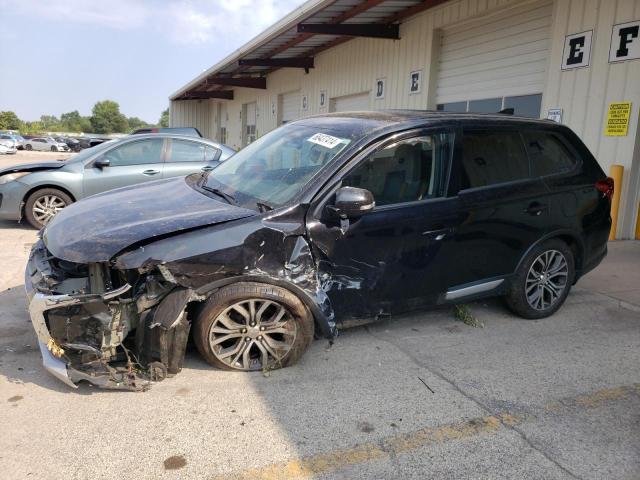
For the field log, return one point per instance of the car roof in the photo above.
(139, 136)
(366, 122)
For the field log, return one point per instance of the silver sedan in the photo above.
(38, 191)
(45, 144)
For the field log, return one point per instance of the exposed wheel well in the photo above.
(42, 187)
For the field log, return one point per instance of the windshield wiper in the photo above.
(264, 207)
(229, 198)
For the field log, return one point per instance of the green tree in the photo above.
(135, 123)
(50, 122)
(71, 121)
(10, 121)
(106, 118)
(164, 118)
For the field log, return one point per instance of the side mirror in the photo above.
(352, 202)
(102, 162)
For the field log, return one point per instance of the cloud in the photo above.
(184, 22)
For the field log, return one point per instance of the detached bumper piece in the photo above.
(118, 337)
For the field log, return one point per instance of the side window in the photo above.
(547, 153)
(490, 158)
(136, 153)
(406, 171)
(211, 154)
(186, 151)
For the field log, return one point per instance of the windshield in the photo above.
(276, 167)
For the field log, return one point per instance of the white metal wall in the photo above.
(502, 55)
(585, 93)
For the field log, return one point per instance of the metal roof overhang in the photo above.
(315, 26)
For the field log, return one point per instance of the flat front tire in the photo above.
(543, 280)
(42, 205)
(251, 326)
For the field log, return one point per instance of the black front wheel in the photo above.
(253, 326)
(28, 147)
(543, 280)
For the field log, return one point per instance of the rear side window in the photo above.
(185, 151)
(490, 158)
(547, 153)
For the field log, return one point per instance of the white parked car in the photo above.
(45, 144)
(6, 149)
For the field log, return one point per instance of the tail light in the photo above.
(606, 187)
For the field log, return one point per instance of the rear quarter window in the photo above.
(492, 157)
(548, 154)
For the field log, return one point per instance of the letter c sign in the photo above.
(577, 50)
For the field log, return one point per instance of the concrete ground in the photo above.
(23, 156)
(422, 396)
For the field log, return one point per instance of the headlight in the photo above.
(10, 177)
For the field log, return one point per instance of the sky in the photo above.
(59, 56)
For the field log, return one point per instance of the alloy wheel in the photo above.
(45, 208)
(546, 279)
(253, 334)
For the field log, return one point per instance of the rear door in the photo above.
(185, 157)
(505, 208)
(133, 162)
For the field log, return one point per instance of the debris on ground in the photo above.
(463, 314)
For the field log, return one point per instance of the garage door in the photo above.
(350, 103)
(290, 105)
(249, 121)
(502, 55)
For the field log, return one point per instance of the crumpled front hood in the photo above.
(97, 228)
(32, 167)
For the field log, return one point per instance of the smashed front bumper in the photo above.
(92, 328)
(51, 352)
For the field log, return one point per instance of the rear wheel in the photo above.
(42, 206)
(253, 326)
(543, 280)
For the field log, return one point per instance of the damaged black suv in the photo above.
(324, 222)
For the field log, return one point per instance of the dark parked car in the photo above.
(325, 220)
(193, 132)
(72, 143)
(88, 142)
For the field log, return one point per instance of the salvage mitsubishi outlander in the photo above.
(326, 220)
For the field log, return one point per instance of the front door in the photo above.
(130, 163)
(393, 258)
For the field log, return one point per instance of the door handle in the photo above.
(438, 234)
(208, 168)
(536, 209)
(151, 172)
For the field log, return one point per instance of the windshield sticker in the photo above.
(325, 140)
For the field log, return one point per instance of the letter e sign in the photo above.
(625, 42)
(577, 50)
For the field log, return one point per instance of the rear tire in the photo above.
(42, 205)
(543, 280)
(251, 326)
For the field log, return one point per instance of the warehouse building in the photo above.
(573, 61)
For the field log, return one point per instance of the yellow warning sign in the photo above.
(618, 119)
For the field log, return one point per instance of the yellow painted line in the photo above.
(338, 459)
(397, 444)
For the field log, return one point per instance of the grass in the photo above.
(463, 314)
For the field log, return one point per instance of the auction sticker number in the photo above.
(325, 140)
